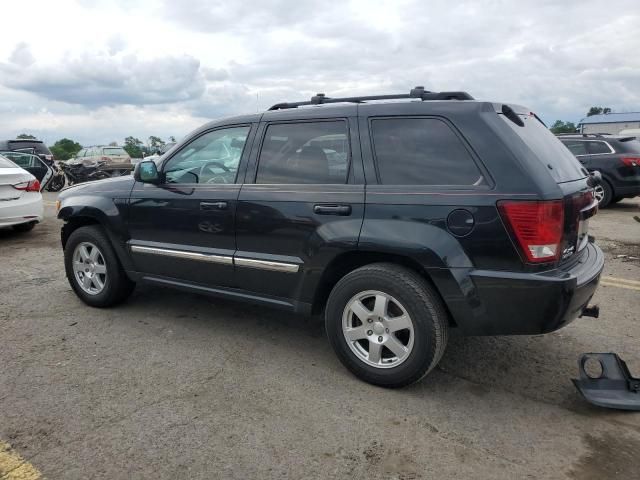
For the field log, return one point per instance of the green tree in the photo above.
(26, 136)
(598, 111)
(155, 143)
(563, 127)
(65, 148)
(172, 139)
(113, 144)
(134, 147)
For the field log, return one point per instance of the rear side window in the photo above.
(562, 165)
(421, 151)
(304, 153)
(596, 148)
(577, 147)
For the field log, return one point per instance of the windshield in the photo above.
(114, 151)
(6, 163)
(564, 167)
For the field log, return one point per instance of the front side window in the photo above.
(577, 147)
(598, 147)
(304, 153)
(211, 158)
(421, 151)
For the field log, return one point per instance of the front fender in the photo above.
(79, 210)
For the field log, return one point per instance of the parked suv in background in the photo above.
(398, 219)
(114, 160)
(36, 147)
(616, 157)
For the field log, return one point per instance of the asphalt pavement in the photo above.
(172, 385)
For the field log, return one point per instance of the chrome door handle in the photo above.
(213, 205)
(332, 209)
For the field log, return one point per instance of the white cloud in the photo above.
(125, 67)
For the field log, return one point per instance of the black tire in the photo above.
(607, 194)
(24, 227)
(422, 303)
(117, 286)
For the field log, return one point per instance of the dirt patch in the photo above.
(608, 456)
(624, 252)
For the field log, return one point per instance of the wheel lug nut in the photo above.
(369, 320)
(380, 339)
(369, 332)
(386, 330)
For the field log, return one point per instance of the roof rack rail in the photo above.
(578, 134)
(417, 92)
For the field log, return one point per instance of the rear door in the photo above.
(302, 205)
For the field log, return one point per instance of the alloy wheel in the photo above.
(378, 329)
(89, 268)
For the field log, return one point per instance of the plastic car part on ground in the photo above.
(613, 388)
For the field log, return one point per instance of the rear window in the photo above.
(577, 147)
(112, 151)
(4, 163)
(421, 151)
(598, 148)
(561, 163)
(39, 147)
(629, 145)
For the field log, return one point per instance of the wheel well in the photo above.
(347, 262)
(75, 223)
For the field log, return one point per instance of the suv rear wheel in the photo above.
(387, 325)
(93, 269)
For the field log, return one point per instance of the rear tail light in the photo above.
(30, 186)
(537, 227)
(105, 159)
(631, 161)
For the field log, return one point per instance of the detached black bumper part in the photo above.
(614, 388)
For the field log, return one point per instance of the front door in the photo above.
(183, 229)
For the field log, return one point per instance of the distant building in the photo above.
(609, 122)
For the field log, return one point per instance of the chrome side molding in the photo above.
(220, 259)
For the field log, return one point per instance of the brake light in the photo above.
(30, 186)
(537, 226)
(631, 161)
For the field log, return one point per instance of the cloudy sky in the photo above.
(99, 70)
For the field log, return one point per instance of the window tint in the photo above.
(577, 147)
(210, 158)
(598, 147)
(421, 151)
(312, 152)
(548, 150)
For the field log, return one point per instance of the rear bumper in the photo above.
(506, 303)
(27, 208)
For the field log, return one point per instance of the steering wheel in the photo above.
(214, 163)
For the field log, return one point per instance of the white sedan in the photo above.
(20, 198)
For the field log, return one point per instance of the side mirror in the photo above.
(146, 172)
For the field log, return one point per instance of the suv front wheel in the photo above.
(93, 269)
(387, 325)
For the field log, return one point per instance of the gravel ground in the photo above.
(173, 385)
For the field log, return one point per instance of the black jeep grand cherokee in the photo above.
(400, 219)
